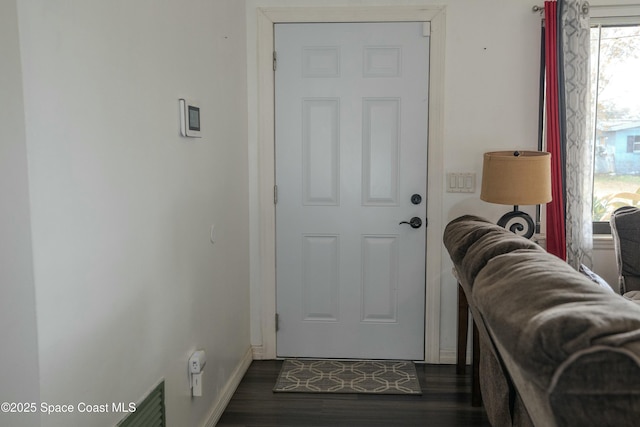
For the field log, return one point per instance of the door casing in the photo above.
(263, 268)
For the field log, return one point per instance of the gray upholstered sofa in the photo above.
(555, 348)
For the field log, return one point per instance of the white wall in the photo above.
(127, 283)
(492, 56)
(492, 67)
(18, 333)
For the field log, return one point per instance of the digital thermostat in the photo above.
(190, 118)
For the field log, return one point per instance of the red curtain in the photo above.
(556, 237)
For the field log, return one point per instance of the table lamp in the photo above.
(516, 178)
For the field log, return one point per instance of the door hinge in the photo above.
(275, 60)
(275, 194)
(277, 323)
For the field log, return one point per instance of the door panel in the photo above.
(380, 150)
(351, 150)
(380, 279)
(320, 151)
(320, 278)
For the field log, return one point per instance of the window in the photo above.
(615, 115)
(633, 144)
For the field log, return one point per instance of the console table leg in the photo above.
(463, 325)
(476, 396)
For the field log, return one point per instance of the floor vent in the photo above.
(150, 412)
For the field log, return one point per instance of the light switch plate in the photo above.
(461, 182)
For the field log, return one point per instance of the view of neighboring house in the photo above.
(618, 148)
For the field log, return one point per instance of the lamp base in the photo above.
(518, 222)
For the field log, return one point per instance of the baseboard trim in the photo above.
(258, 352)
(450, 356)
(229, 388)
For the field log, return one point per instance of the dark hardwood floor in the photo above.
(445, 401)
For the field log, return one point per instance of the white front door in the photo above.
(351, 163)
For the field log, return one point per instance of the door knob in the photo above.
(414, 222)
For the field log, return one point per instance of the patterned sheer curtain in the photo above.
(574, 176)
(579, 146)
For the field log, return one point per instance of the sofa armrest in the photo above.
(598, 386)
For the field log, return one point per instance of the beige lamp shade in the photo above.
(516, 177)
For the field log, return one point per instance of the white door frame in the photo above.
(263, 269)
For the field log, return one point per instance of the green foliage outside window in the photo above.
(603, 206)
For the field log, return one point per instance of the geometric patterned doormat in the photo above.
(353, 376)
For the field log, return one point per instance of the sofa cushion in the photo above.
(462, 232)
(490, 245)
(542, 312)
(472, 241)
